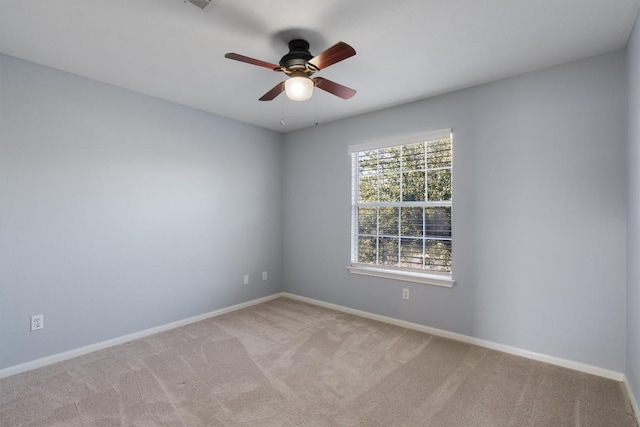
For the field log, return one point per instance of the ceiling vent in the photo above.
(202, 4)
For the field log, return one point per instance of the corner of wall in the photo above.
(632, 367)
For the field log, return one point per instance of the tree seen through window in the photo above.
(403, 206)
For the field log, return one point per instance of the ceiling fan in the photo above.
(299, 65)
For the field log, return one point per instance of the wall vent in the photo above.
(200, 3)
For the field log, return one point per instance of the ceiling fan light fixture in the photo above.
(299, 88)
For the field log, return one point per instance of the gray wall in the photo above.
(633, 236)
(120, 212)
(539, 212)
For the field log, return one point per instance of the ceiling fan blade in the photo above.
(277, 90)
(253, 61)
(335, 53)
(334, 88)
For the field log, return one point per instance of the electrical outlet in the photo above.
(264, 275)
(405, 293)
(37, 322)
(246, 279)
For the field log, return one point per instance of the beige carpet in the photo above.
(286, 363)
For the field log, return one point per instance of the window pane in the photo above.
(439, 154)
(367, 221)
(411, 253)
(395, 224)
(438, 256)
(368, 191)
(388, 251)
(413, 157)
(389, 160)
(389, 188)
(412, 222)
(388, 221)
(368, 162)
(413, 187)
(439, 182)
(367, 250)
(438, 221)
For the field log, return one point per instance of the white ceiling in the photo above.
(406, 49)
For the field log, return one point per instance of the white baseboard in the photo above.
(582, 367)
(632, 398)
(578, 366)
(49, 360)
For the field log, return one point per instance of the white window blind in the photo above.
(402, 204)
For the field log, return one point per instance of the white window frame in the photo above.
(444, 279)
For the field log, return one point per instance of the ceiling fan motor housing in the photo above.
(298, 55)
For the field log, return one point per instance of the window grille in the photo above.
(402, 203)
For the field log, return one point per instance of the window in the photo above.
(401, 209)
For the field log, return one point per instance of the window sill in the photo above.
(407, 276)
